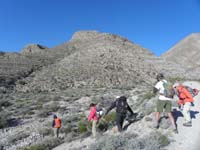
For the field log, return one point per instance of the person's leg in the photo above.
(159, 109)
(94, 128)
(168, 109)
(171, 118)
(186, 113)
(57, 133)
(119, 122)
(157, 118)
(122, 120)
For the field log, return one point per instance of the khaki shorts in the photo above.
(164, 105)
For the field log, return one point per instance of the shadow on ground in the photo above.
(177, 114)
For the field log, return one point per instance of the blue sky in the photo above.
(154, 24)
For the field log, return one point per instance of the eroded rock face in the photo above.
(33, 48)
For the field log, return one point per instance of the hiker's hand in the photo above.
(180, 107)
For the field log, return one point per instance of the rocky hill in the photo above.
(186, 54)
(15, 66)
(91, 67)
(96, 60)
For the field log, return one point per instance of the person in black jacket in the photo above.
(121, 110)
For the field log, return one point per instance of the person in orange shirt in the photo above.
(185, 101)
(56, 125)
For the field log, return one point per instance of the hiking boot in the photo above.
(175, 131)
(156, 126)
(187, 124)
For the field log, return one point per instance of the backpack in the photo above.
(192, 91)
(121, 105)
(168, 89)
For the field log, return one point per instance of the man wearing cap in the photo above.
(163, 103)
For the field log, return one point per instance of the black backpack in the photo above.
(121, 105)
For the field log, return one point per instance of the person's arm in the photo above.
(130, 110)
(53, 123)
(113, 105)
(156, 87)
(155, 90)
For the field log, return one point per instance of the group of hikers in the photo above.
(185, 95)
(166, 94)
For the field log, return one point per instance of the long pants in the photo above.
(120, 120)
(56, 132)
(94, 122)
(186, 111)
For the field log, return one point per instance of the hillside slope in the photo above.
(186, 54)
(96, 60)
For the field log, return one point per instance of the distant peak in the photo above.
(85, 35)
(33, 48)
(193, 35)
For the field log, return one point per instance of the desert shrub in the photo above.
(5, 103)
(66, 129)
(53, 107)
(39, 105)
(112, 142)
(46, 131)
(47, 109)
(48, 144)
(4, 117)
(3, 122)
(163, 140)
(153, 141)
(110, 117)
(37, 147)
(148, 95)
(175, 79)
(19, 136)
(82, 126)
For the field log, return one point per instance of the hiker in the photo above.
(185, 101)
(164, 102)
(56, 125)
(93, 117)
(121, 110)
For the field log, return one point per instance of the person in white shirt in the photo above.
(163, 103)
